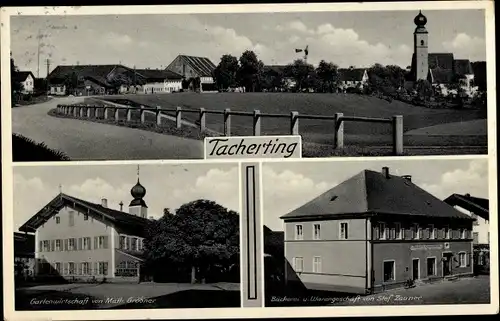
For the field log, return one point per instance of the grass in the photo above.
(314, 131)
(25, 149)
(31, 101)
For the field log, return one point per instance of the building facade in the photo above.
(160, 81)
(352, 78)
(198, 71)
(26, 79)
(83, 241)
(373, 232)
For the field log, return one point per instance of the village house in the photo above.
(80, 240)
(278, 71)
(160, 81)
(24, 255)
(195, 69)
(352, 78)
(88, 80)
(442, 70)
(26, 79)
(373, 232)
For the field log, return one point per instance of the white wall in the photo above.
(28, 85)
(167, 86)
(481, 226)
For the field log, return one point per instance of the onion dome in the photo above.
(138, 191)
(420, 20)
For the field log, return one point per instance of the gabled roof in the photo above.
(280, 69)
(157, 74)
(370, 192)
(201, 65)
(131, 224)
(463, 67)
(351, 74)
(20, 76)
(440, 60)
(476, 205)
(61, 72)
(441, 76)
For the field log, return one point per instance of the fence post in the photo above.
(158, 117)
(117, 116)
(66, 110)
(143, 115)
(178, 117)
(256, 122)
(227, 122)
(397, 131)
(203, 122)
(339, 131)
(86, 110)
(106, 111)
(294, 123)
(129, 114)
(81, 111)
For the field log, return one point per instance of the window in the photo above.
(431, 266)
(398, 231)
(134, 244)
(71, 268)
(46, 246)
(462, 259)
(432, 232)
(344, 231)
(421, 42)
(316, 231)
(447, 232)
(381, 231)
(71, 244)
(420, 233)
(58, 245)
(298, 264)
(85, 268)
(85, 217)
(71, 218)
(58, 220)
(317, 264)
(475, 237)
(86, 243)
(299, 232)
(103, 268)
(389, 271)
(102, 242)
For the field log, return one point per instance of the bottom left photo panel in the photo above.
(126, 236)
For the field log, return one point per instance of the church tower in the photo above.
(137, 206)
(420, 48)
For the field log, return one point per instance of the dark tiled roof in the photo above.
(463, 67)
(157, 74)
(61, 72)
(201, 65)
(442, 76)
(441, 60)
(370, 192)
(99, 80)
(24, 245)
(476, 205)
(280, 69)
(351, 74)
(129, 223)
(20, 76)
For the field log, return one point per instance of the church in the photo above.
(440, 69)
(77, 240)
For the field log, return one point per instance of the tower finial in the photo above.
(60, 189)
(138, 172)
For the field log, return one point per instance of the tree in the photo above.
(225, 72)
(16, 85)
(249, 72)
(272, 79)
(328, 74)
(71, 82)
(386, 79)
(201, 235)
(299, 70)
(424, 89)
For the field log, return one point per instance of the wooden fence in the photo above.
(86, 111)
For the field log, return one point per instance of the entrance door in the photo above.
(415, 269)
(446, 264)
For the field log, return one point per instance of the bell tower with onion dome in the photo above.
(137, 206)
(420, 48)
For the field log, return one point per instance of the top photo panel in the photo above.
(156, 86)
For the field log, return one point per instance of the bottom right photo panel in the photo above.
(376, 232)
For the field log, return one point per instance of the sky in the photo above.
(167, 186)
(152, 41)
(287, 186)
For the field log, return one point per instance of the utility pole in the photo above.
(47, 77)
(48, 67)
(39, 36)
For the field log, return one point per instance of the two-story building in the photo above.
(375, 231)
(79, 240)
(26, 79)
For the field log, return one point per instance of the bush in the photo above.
(25, 149)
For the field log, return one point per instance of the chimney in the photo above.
(467, 195)
(385, 172)
(121, 206)
(104, 202)
(407, 177)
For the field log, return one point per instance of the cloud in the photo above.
(472, 180)
(464, 46)
(220, 186)
(284, 191)
(95, 189)
(114, 38)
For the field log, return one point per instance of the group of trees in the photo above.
(197, 243)
(15, 85)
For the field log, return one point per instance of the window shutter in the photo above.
(80, 245)
(40, 246)
(66, 244)
(105, 242)
(65, 268)
(95, 271)
(95, 242)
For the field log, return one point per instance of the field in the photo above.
(320, 131)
